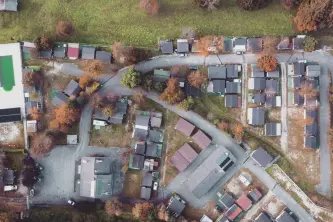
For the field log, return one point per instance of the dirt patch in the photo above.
(274, 115)
(192, 213)
(132, 183)
(274, 207)
(110, 136)
(11, 135)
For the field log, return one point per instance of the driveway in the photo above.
(284, 108)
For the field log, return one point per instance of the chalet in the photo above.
(273, 129)
(217, 72)
(103, 56)
(73, 51)
(257, 84)
(232, 101)
(256, 116)
(166, 46)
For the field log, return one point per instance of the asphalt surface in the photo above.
(284, 108)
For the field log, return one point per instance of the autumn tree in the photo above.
(43, 43)
(85, 80)
(64, 28)
(95, 68)
(252, 4)
(197, 78)
(64, 117)
(108, 110)
(31, 79)
(41, 144)
(268, 63)
(203, 45)
(34, 53)
(306, 89)
(139, 98)
(131, 78)
(288, 4)
(237, 130)
(126, 55)
(309, 44)
(96, 101)
(141, 210)
(113, 207)
(150, 6)
(224, 126)
(162, 213)
(172, 93)
(219, 43)
(210, 5)
(270, 41)
(187, 104)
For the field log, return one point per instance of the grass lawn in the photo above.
(105, 21)
(15, 160)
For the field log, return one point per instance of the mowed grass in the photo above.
(105, 21)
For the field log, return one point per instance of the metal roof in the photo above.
(254, 44)
(217, 72)
(273, 129)
(179, 161)
(176, 206)
(272, 86)
(261, 157)
(257, 83)
(166, 47)
(145, 193)
(182, 45)
(218, 86)
(8, 5)
(232, 71)
(313, 70)
(244, 202)
(88, 52)
(201, 139)
(256, 116)
(72, 89)
(263, 217)
(142, 120)
(299, 68)
(155, 136)
(185, 127)
(187, 152)
(311, 129)
(233, 87)
(103, 56)
(257, 72)
(259, 98)
(59, 99)
(273, 74)
(147, 180)
(284, 217)
(151, 150)
(231, 101)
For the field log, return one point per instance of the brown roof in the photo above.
(184, 127)
(244, 202)
(179, 161)
(201, 139)
(187, 152)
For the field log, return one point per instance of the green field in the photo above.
(105, 21)
(7, 73)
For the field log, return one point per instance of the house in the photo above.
(176, 205)
(145, 193)
(9, 5)
(225, 200)
(140, 148)
(96, 177)
(103, 56)
(184, 127)
(31, 126)
(232, 101)
(99, 115)
(217, 72)
(182, 46)
(298, 68)
(244, 202)
(201, 139)
(272, 86)
(263, 217)
(254, 195)
(285, 217)
(311, 142)
(205, 218)
(60, 99)
(142, 122)
(216, 87)
(297, 82)
(88, 52)
(273, 101)
(183, 157)
(192, 91)
(240, 45)
(59, 51)
(285, 44)
(256, 72)
(117, 118)
(298, 42)
(256, 116)
(151, 150)
(273, 74)
(161, 75)
(73, 51)
(155, 122)
(233, 87)
(147, 180)
(155, 136)
(257, 84)
(298, 100)
(72, 139)
(313, 70)
(166, 46)
(261, 157)
(311, 129)
(45, 54)
(136, 162)
(259, 98)
(228, 45)
(273, 129)
(233, 71)
(254, 44)
(233, 212)
(72, 89)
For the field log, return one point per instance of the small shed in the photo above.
(228, 45)
(261, 157)
(201, 139)
(232, 101)
(298, 42)
(259, 98)
(233, 87)
(155, 121)
(59, 51)
(257, 84)
(103, 56)
(145, 193)
(256, 72)
(72, 89)
(217, 72)
(45, 54)
(182, 46)
(184, 127)
(244, 202)
(147, 180)
(232, 71)
(73, 50)
(88, 52)
(31, 126)
(313, 70)
(256, 116)
(166, 46)
(273, 129)
(9, 5)
(240, 45)
(254, 195)
(72, 139)
(142, 122)
(254, 44)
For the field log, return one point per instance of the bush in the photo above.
(187, 104)
(131, 78)
(64, 28)
(252, 4)
(159, 86)
(309, 44)
(43, 43)
(268, 63)
(210, 5)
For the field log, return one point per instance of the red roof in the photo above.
(187, 152)
(184, 127)
(201, 139)
(73, 52)
(179, 161)
(244, 202)
(233, 212)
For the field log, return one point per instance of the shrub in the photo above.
(210, 5)
(309, 44)
(252, 4)
(172, 94)
(64, 28)
(187, 104)
(131, 78)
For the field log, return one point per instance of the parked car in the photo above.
(239, 53)
(193, 67)
(40, 167)
(71, 202)
(155, 185)
(183, 55)
(10, 187)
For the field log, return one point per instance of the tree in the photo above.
(187, 104)
(172, 94)
(268, 63)
(306, 89)
(210, 5)
(252, 4)
(150, 6)
(219, 43)
(238, 131)
(108, 110)
(95, 68)
(85, 80)
(159, 86)
(35, 113)
(288, 4)
(64, 117)
(162, 213)
(31, 79)
(203, 45)
(141, 210)
(187, 33)
(113, 207)
(270, 41)
(125, 55)
(96, 101)
(224, 126)
(309, 44)
(64, 28)
(197, 78)
(41, 144)
(148, 82)
(131, 78)
(94, 87)
(139, 98)
(43, 43)
(34, 96)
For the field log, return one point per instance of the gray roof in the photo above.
(227, 201)
(272, 86)
(232, 71)
(72, 89)
(142, 120)
(254, 195)
(140, 148)
(218, 86)
(263, 217)
(59, 52)
(117, 118)
(155, 136)
(258, 116)
(138, 161)
(257, 72)
(297, 81)
(258, 83)
(88, 52)
(8, 5)
(182, 47)
(45, 54)
(176, 207)
(233, 87)
(231, 101)
(273, 129)
(228, 45)
(192, 91)
(299, 68)
(298, 43)
(259, 98)
(311, 129)
(261, 157)
(184, 127)
(145, 193)
(8, 177)
(311, 142)
(313, 70)
(240, 41)
(270, 101)
(103, 56)
(141, 134)
(285, 217)
(285, 43)
(273, 74)
(310, 113)
(166, 47)
(60, 99)
(217, 72)
(298, 99)
(254, 44)
(121, 107)
(151, 150)
(99, 115)
(147, 180)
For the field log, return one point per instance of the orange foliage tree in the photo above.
(141, 210)
(64, 117)
(151, 7)
(113, 207)
(85, 80)
(268, 63)
(197, 78)
(237, 129)
(30, 79)
(306, 89)
(172, 93)
(224, 126)
(95, 68)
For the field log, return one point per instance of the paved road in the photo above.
(284, 108)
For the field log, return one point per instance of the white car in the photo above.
(155, 185)
(71, 202)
